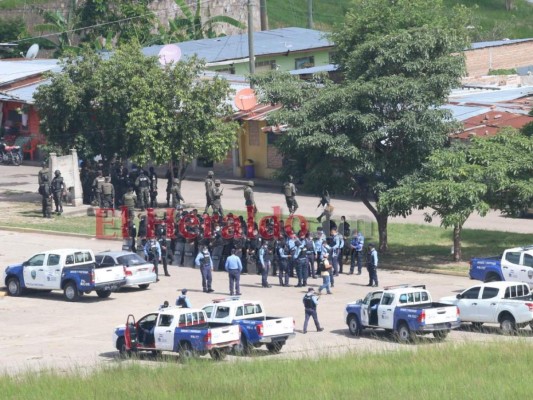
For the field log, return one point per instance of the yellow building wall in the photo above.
(253, 146)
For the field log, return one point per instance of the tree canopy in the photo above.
(383, 121)
(146, 112)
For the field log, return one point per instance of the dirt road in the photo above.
(44, 331)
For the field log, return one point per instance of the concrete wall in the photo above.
(253, 146)
(479, 62)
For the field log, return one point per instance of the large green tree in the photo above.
(129, 105)
(456, 182)
(400, 59)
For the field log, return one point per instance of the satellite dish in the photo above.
(169, 54)
(245, 99)
(32, 51)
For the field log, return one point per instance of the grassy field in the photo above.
(410, 245)
(464, 371)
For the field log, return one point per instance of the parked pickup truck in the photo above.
(256, 328)
(509, 304)
(181, 330)
(72, 270)
(514, 265)
(403, 310)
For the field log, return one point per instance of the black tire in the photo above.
(242, 348)
(218, 354)
(403, 333)
(144, 286)
(16, 159)
(507, 324)
(274, 348)
(477, 326)
(354, 326)
(13, 287)
(121, 347)
(440, 335)
(70, 291)
(186, 352)
(492, 277)
(103, 294)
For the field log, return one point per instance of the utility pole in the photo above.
(251, 53)
(263, 14)
(310, 14)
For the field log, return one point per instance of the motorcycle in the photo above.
(10, 154)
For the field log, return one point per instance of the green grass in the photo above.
(464, 371)
(10, 4)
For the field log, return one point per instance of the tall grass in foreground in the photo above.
(465, 371)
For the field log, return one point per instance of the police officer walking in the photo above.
(234, 268)
(289, 190)
(372, 265)
(216, 194)
(58, 187)
(204, 261)
(310, 301)
(265, 259)
(46, 194)
(143, 184)
(249, 196)
(209, 190)
(108, 193)
(152, 251)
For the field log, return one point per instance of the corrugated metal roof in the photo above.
(25, 94)
(462, 113)
(494, 96)
(12, 71)
(235, 47)
(495, 43)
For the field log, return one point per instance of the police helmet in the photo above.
(217, 181)
(210, 173)
(44, 164)
(108, 179)
(57, 172)
(250, 183)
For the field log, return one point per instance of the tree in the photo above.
(492, 172)
(449, 185)
(383, 121)
(130, 106)
(12, 29)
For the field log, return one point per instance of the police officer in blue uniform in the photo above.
(204, 261)
(284, 258)
(265, 259)
(372, 265)
(310, 301)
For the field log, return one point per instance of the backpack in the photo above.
(287, 189)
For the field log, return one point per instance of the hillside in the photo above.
(490, 17)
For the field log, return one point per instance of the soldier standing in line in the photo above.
(97, 188)
(153, 187)
(175, 192)
(42, 172)
(216, 195)
(143, 184)
(249, 196)
(44, 191)
(209, 184)
(108, 193)
(128, 200)
(289, 190)
(58, 187)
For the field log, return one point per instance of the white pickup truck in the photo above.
(403, 310)
(256, 328)
(509, 304)
(72, 270)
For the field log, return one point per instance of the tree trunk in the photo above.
(457, 229)
(382, 220)
(508, 5)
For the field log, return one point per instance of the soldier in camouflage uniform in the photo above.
(46, 193)
(289, 190)
(209, 191)
(216, 194)
(249, 196)
(108, 193)
(175, 192)
(97, 188)
(143, 184)
(128, 200)
(58, 187)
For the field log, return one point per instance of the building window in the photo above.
(253, 133)
(304, 62)
(331, 57)
(265, 66)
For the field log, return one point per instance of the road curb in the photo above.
(425, 271)
(53, 233)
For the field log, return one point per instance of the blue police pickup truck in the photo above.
(514, 264)
(72, 270)
(257, 329)
(181, 330)
(404, 310)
